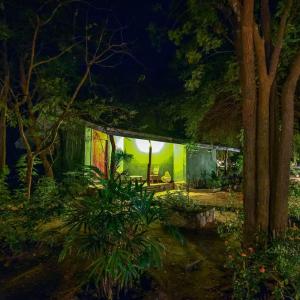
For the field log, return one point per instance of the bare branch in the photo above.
(46, 61)
(32, 57)
(54, 12)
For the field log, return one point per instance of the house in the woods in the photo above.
(159, 161)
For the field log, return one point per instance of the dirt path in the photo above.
(180, 280)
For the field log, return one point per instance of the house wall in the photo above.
(200, 161)
(179, 162)
(71, 150)
(138, 165)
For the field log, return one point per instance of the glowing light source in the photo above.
(143, 145)
(119, 142)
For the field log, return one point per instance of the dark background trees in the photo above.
(187, 68)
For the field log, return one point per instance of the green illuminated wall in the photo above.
(138, 165)
(179, 162)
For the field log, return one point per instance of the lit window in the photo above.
(143, 145)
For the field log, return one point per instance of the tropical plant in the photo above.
(109, 227)
(261, 272)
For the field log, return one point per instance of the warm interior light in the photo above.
(143, 146)
(119, 140)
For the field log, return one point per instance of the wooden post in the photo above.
(106, 160)
(149, 164)
(226, 162)
(112, 156)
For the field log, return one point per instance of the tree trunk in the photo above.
(274, 144)
(28, 178)
(249, 116)
(263, 159)
(280, 208)
(267, 151)
(46, 164)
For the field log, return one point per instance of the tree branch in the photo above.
(260, 55)
(279, 41)
(50, 59)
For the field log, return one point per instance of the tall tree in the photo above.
(43, 88)
(266, 203)
(263, 38)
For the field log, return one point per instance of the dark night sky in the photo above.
(153, 65)
(151, 62)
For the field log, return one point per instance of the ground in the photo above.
(215, 199)
(191, 271)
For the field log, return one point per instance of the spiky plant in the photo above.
(109, 227)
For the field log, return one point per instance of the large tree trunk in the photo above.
(274, 144)
(263, 167)
(280, 210)
(249, 116)
(267, 152)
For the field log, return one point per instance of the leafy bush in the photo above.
(294, 208)
(206, 181)
(294, 189)
(262, 272)
(109, 227)
(20, 218)
(180, 201)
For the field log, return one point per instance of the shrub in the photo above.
(294, 208)
(179, 201)
(206, 181)
(294, 189)
(109, 227)
(21, 218)
(264, 271)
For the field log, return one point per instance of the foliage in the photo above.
(179, 201)
(233, 177)
(294, 200)
(206, 181)
(294, 189)
(296, 146)
(294, 208)
(21, 219)
(109, 227)
(262, 270)
(204, 57)
(21, 167)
